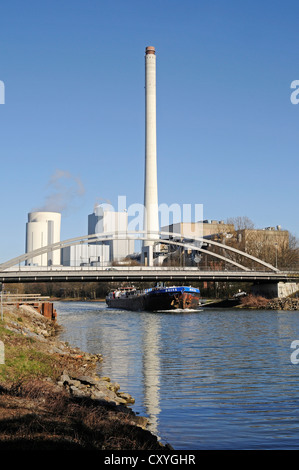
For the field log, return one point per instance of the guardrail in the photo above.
(142, 275)
(9, 299)
(138, 268)
(40, 303)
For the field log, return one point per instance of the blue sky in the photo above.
(227, 132)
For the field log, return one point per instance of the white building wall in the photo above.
(37, 236)
(42, 229)
(85, 255)
(106, 221)
(186, 229)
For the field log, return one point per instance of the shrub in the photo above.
(254, 301)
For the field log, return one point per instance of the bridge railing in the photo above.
(125, 268)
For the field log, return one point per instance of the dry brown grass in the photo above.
(34, 415)
(253, 301)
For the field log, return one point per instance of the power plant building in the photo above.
(42, 229)
(204, 228)
(105, 221)
(85, 255)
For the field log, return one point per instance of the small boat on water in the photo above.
(154, 299)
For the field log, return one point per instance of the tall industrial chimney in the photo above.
(151, 217)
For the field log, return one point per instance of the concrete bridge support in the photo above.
(274, 290)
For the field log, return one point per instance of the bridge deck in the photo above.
(146, 274)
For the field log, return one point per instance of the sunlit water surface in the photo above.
(209, 379)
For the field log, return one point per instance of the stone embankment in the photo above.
(283, 304)
(26, 321)
(95, 387)
(258, 302)
(75, 380)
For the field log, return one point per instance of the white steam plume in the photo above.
(63, 189)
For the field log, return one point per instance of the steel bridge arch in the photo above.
(135, 235)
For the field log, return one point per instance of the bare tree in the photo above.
(289, 257)
(241, 222)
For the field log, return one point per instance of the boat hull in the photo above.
(156, 301)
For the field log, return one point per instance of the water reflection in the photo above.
(151, 369)
(209, 380)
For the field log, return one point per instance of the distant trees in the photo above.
(63, 290)
(289, 258)
(276, 247)
(241, 222)
(280, 249)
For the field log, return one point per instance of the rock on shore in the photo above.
(287, 303)
(76, 383)
(262, 303)
(79, 377)
(98, 388)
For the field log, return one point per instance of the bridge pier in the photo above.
(272, 290)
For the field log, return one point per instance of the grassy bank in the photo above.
(41, 409)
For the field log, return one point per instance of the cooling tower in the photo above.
(43, 229)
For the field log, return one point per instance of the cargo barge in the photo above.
(154, 299)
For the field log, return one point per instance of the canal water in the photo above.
(207, 379)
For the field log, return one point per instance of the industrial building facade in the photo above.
(43, 229)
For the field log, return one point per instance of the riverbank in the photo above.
(255, 302)
(52, 398)
(258, 302)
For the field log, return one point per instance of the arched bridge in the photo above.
(14, 271)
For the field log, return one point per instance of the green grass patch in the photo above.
(22, 360)
(24, 364)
